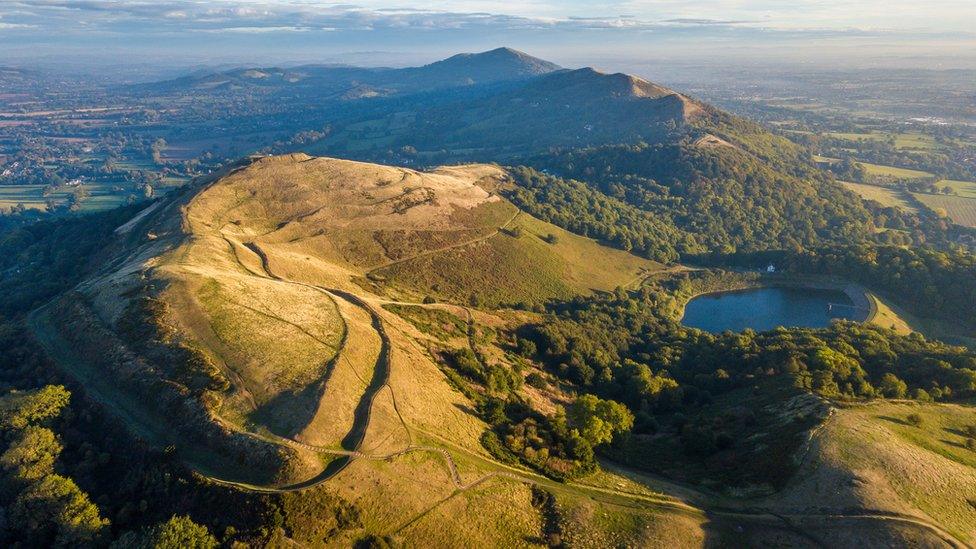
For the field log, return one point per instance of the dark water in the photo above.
(766, 308)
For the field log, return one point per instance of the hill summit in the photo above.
(496, 64)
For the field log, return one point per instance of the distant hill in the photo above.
(726, 181)
(561, 108)
(490, 66)
(498, 65)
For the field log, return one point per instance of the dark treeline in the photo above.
(726, 198)
(584, 210)
(41, 259)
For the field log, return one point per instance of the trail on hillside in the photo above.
(435, 251)
(352, 448)
(516, 475)
(706, 500)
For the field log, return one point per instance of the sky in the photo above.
(934, 33)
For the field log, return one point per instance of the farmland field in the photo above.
(960, 210)
(906, 140)
(965, 189)
(103, 196)
(893, 171)
(31, 196)
(883, 195)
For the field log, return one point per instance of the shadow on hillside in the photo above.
(896, 420)
(466, 409)
(759, 530)
(948, 442)
(288, 413)
(958, 432)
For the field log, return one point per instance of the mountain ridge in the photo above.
(497, 65)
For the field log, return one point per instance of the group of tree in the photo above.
(43, 507)
(716, 198)
(629, 348)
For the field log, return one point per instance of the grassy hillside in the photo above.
(530, 261)
(874, 457)
(227, 322)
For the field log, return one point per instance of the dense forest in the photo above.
(684, 385)
(583, 210)
(726, 198)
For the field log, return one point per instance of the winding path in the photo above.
(435, 251)
(660, 502)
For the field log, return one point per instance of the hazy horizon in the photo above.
(611, 35)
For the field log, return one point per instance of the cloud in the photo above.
(170, 16)
(260, 30)
(312, 28)
(706, 22)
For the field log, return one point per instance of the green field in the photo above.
(893, 171)
(31, 196)
(883, 195)
(824, 159)
(962, 211)
(103, 196)
(904, 141)
(966, 189)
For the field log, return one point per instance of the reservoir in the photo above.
(766, 308)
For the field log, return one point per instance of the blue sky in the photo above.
(400, 32)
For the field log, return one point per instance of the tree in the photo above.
(599, 420)
(892, 387)
(19, 410)
(526, 347)
(179, 532)
(33, 454)
(55, 509)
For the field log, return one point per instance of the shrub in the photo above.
(914, 420)
(536, 380)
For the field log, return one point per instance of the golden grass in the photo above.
(886, 317)
(351, 373)
(869, 457)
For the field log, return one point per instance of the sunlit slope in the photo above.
(872, 461)
(256, 296)
(437, 233)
